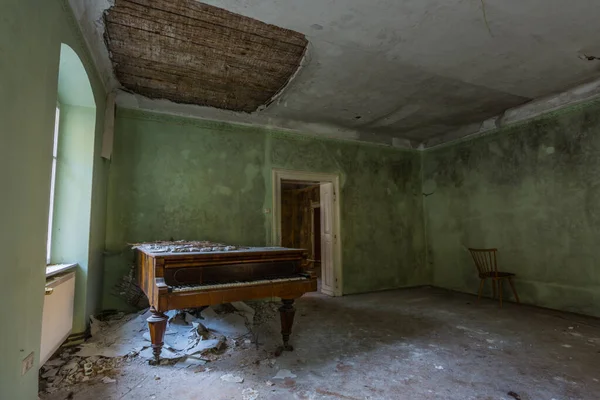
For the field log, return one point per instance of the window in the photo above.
(52, 184)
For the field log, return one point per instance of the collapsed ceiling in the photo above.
(399, 73)
(189, 52)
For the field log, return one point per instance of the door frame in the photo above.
(280, 175)
(313, 206)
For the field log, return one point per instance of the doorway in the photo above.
(306, 215)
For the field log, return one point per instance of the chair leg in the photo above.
(500, 291)
(493, 288)
(512, 285)
(480, 289)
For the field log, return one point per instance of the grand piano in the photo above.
(179, 275)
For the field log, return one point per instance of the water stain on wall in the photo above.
(219, 192)
(532, 191)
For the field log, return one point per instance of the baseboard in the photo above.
(422, 286)
(75, 339)
(554, 311)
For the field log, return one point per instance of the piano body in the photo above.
(180, 275)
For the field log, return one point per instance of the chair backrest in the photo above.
(485, 261)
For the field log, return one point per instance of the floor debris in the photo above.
(186, 335)
(515, 395)
(68, 369)
(231, 325)
(193, 339)
(245, 310)
(232, 378)
(284, 373)
(116, 336)
(393, 351)
(190, 362)
(334, 394)
(249, 394)
(264, 311)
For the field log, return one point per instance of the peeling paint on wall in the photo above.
(157, 194)
(533, 192)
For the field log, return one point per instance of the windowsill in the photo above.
(55, 269)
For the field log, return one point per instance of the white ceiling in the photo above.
(404, 72)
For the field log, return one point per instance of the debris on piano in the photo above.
(184, 246)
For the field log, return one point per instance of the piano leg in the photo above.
(157, 324)
(286, 312)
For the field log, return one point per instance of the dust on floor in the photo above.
(404, 344)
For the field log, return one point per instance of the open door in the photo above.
(325, 224)
(327, 239)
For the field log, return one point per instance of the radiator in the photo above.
(57, 318)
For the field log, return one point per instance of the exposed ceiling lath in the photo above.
(194, 53)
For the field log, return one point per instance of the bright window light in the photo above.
(52, 184)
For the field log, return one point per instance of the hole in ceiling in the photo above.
(194, 53)
(358, 117)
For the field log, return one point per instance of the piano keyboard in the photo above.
(193, 288)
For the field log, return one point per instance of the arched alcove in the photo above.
(74, 86)
(72, 197)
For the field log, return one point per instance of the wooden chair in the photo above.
(485, 261)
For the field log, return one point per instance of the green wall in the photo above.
(31, 33)
(182, 178)
(73, 197)
(532, 191)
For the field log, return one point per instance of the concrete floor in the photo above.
(405, 344)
